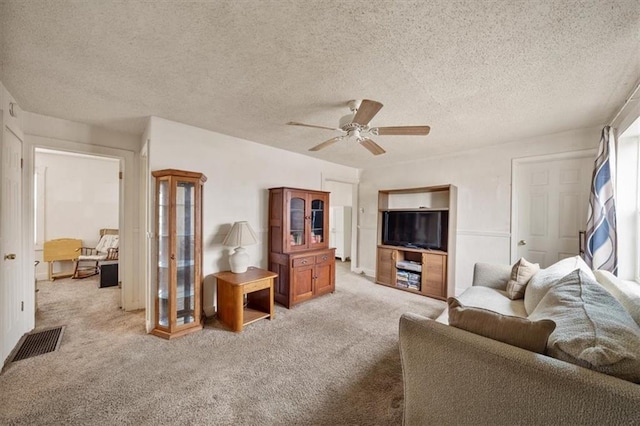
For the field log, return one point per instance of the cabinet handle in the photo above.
(12, 112)
(303, 262)
(173, 257)
(324, 257)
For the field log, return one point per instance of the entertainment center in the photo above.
(416, 240)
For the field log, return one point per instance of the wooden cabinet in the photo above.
(298, 245)
(434, 275)
(178, 252)
(422, 271)
(386, 266)
(299, 219)
(419, 271)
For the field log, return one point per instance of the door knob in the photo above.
(522, 243)
(10, 256)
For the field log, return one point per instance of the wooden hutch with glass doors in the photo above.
(299, 245)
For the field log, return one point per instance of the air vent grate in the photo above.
(39, 342)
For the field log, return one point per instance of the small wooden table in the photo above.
(257, 284)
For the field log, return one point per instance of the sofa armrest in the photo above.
(491, 275)
(452, 376)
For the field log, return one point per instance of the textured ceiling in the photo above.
(478, 72)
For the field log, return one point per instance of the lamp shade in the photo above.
(240, 235)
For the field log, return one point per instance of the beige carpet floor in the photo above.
(330, 361)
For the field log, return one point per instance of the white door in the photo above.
(550, 198)
(332, 227)
(10, 246)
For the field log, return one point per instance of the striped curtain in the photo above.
(601, 236)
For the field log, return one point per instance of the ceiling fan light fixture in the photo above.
(345, 121)
(356, 126)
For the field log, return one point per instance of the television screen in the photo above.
(419, 229)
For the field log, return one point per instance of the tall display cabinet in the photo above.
(178, 252)
(299, 245)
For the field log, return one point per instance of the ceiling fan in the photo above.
(356, 125)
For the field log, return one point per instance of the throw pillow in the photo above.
(515, 331)
(627, 293)
(542, 281)
(520, 275)
(593, 328)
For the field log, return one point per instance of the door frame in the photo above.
(132, 289)
(354, 215)
(515, 168)
(27, 320)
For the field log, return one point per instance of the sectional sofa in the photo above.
(586, 372)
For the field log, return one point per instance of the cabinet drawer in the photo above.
(303, 261)
(257, 285)
(325, 257)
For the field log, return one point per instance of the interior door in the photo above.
(10, 247)
(332, 226)
(550, 198)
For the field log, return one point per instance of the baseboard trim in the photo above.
(368, 272)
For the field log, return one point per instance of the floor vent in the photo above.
(39, 342)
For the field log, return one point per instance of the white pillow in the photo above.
(627, 293)
(546, 278)
(593, 329)
(106, 242)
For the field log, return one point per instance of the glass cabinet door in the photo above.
(297, 221)
(164, 249)
(317, 220)
(185, 252)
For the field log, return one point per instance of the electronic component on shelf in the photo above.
(409, 265)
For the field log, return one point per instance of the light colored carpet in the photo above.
(330, 361)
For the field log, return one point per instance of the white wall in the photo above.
(80, 196)
(239, 173)
(483, 178)
(341, 193)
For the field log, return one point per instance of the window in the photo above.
(628, 202)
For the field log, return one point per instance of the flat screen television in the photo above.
(416, 229)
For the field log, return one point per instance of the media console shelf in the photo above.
(423, 271)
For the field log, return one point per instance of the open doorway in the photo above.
(76, 202)
(342, 226)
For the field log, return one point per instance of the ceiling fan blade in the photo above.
(295, 123)
(404, 130)
(366, 111)
(326, 143)
(373, 147)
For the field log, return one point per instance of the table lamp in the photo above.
(240, 235)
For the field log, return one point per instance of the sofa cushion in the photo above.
(593, 330)
(521, 273)
(515, 331)
(488, 298)
(627, 293)
(544, 279)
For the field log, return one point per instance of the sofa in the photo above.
(455, 376)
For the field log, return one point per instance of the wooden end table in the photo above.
(257, 284)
